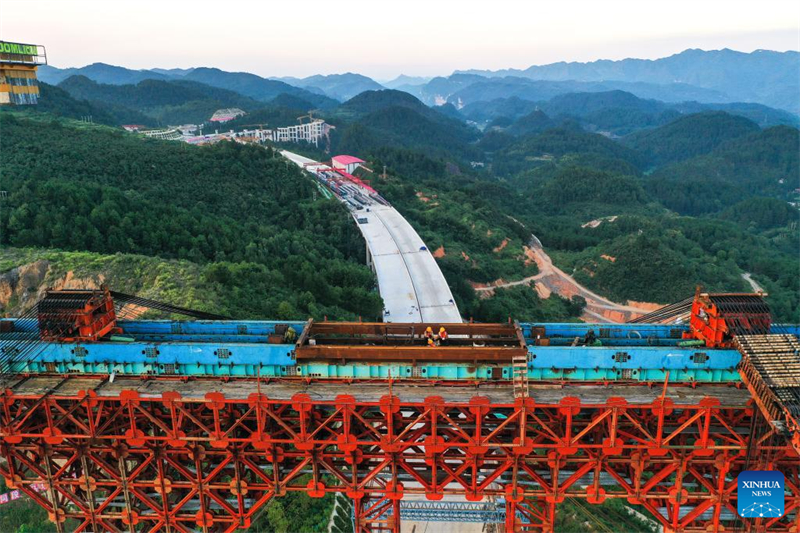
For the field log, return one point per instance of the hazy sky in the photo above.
(382, 39)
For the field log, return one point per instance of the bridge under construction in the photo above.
(411, 284)
(124, 424)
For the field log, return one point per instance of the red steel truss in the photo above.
(123, 461)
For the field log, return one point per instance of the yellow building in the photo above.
(18, 64)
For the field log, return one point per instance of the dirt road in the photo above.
(552, 279)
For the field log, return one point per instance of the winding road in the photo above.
(552, 279)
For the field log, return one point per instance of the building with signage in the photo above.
(18, 63)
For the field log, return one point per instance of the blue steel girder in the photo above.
(242, 348)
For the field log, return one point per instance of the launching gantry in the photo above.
(185, 425)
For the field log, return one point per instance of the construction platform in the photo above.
(195, 425)
(197, 390)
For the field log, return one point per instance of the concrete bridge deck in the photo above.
(409, 279)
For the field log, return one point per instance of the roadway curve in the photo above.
(411, 284)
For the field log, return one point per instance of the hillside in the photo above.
(262, 237)
(165, 102)
(396, 119)
(534, 150)
(58, 102)
(689, 136)
(763, 163)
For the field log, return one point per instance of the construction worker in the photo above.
(429, 333)
(442, 334)
(431, 342)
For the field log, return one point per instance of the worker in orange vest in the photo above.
(442, 334)
(431, 342)
(429, 333)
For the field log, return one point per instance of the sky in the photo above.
(382, 38)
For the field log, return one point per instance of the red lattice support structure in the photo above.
(163, 455)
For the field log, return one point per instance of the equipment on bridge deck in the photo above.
(717, 318)
(384, 342)
(770, 368)
(76, 315)
(770, 363)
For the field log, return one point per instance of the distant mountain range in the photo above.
(339, 86)
(616, 112)
(763, 76)
(244, 83)
(717, 77)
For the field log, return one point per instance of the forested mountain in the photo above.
(462, 89)
(762, 163)
(245, 217)
(762, 76)
(534, 122)
(152, 93)
(101, 73)
(59, 102)
(371, 101)
(533, 150)
(395, 118)
(509, 108)
(165, 102)
(689, 136)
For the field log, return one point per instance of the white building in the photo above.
(169, 134)
(310, 132)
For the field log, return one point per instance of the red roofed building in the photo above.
(348, 163)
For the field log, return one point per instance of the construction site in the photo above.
(193, 425)
(196, 421)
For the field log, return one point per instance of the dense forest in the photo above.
(676, 178)
(243, 210)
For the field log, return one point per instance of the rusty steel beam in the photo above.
(126, 461)
(382, 342)
(411, 354)
(383, 328)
